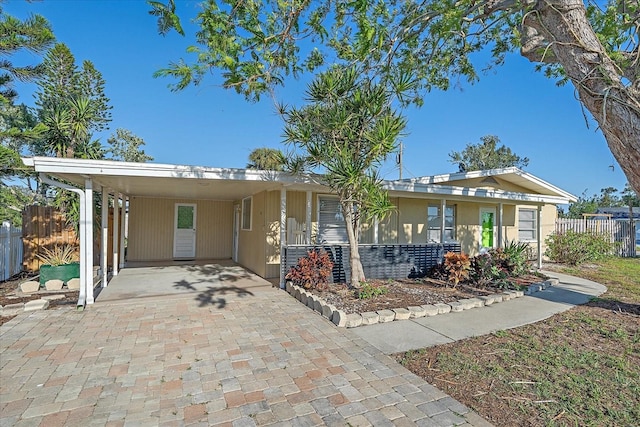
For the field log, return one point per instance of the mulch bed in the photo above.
(406, 293)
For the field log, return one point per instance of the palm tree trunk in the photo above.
(357, 272)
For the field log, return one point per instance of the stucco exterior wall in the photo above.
(151, 229)
(412, 221)
(388, 227)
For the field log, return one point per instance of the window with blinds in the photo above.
(527, 227)
(434, 221)
(331, 225)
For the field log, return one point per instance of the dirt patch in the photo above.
(572, 369)
(10, 293)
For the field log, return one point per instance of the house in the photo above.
(253, 217)
(618, 213)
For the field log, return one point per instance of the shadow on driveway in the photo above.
(210, 284)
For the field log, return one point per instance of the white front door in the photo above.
(184, 237)
(487, 228)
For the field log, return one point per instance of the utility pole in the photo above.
(399, 162)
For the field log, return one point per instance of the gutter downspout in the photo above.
(82, 297)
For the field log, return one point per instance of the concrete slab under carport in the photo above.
(211, 282)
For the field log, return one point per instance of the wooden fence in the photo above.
(10, 251)
(44, 227)
(621, 232)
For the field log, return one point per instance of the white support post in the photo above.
(82, 295)
(123, 223)
(88, 215)
(104, 237)
(307, 236)
(116, 229)
(443, 215)
(376, 225)
(283, 231)
(500, 230)
(539, 234)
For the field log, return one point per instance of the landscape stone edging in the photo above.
(354, 320)
(20, 307)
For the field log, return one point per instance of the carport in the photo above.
(120, 182)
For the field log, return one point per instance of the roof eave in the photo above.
(447, 190)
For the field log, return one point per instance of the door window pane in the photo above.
(185, 217)
(487, 229)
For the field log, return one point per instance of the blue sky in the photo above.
(210, 126)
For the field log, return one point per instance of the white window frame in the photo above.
(534, 228)
(438, 229)
(243, 217)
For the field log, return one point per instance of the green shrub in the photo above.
(312, 271)
(367, 291)
(516, 258)
(575, 248)
(488, 269)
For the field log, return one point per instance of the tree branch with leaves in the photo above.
(258, 45)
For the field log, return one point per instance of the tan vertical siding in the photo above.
(251, 245)
(296, 206)
(215, 229)
(151, 228)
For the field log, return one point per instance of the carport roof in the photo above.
(165, 180)
(200, 182)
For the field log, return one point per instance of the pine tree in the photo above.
(72, 103)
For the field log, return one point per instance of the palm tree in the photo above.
(347, 130)
(267, 159)
(67, 126)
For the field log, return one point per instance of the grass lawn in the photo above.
(578, 368)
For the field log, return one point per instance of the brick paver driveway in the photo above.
(237, 358)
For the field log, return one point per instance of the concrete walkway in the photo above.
(216, 353)
(424, 332)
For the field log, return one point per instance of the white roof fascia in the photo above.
(446, 190)
(494, 172)
(157, 170)
(457, 176)
(545, 184)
